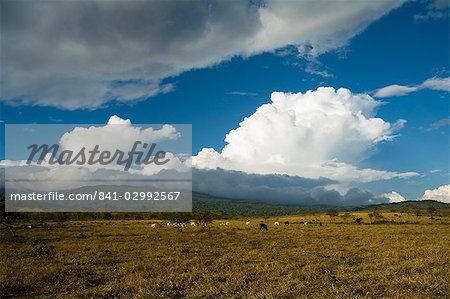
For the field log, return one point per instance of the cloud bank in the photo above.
(395, 90)
(322, 133)
(85, 54)
(277, 188)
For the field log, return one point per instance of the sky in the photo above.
(309, 101)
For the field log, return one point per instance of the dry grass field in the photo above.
(131, 259)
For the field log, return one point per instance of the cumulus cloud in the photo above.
(117, 134)
(277, 188)
(395, 90)
(394, 197)
(322, 133)
(85, 54)
(441, 193)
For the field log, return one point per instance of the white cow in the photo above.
(153, 225)
(276, 223)
(193, 224)
(305, 223)
(247, 223)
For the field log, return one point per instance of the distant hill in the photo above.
(410, 204)
(235, 207)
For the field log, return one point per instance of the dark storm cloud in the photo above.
(277, 188)
(69, 54)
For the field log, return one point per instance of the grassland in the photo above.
(402, 257)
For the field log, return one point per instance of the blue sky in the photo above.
(397, 48)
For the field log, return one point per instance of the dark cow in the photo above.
(286, 223)
(263, 226)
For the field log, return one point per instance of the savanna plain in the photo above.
(403, 256)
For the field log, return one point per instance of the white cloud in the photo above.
(394, 197)
(84, 54)
(175, 163)
(441, 193)
(117, 134)
(394, 91)
(435, 83)
(322, 133)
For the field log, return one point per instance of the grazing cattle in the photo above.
(286, 223)
(263, 226)
(247, 223)
(169, 224)
(305, 223)
(276, 223)
(29, 226)
(226, 223)
(179, 226)
(153, 225)
(193, 224)
(320, 223)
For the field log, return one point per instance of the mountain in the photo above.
(205, 202)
